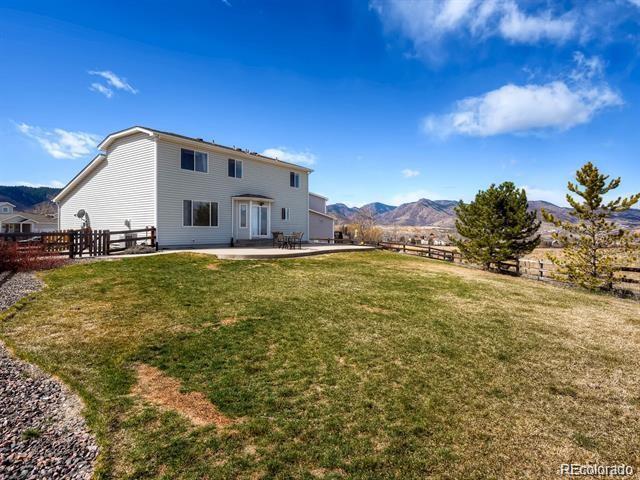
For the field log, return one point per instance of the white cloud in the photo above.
(113, 80)
(408, 173)
(52, 183)
(286, 155)
(98, 87)
(521, 28)
(427, 23)
(557, 105)
(407, 197)
(61, 143)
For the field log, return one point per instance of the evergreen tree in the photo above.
(496, 226)
(593, 246)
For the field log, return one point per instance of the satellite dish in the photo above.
(81, 213)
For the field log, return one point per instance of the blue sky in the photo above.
(387, 100)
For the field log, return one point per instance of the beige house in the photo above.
(320, 223)
(14, 221)
(195, 192)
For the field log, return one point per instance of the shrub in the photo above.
(23, 257)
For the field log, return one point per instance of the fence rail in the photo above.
(83, 242)
(537, 269)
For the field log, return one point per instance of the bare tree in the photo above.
(366, 227)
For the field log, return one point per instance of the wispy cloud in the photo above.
(428, 23)
(61, 143)
(557, 105)
(98, 87)
(226, 2)
(409, 173)
(113, 81)
(286, 155)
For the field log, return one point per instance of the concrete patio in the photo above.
(257, 253)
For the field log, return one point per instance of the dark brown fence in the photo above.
(84, 242)
(627, 279)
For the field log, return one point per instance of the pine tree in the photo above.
(594, 247)
(496, 226)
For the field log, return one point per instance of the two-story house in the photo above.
(193, 191)
(15, 221)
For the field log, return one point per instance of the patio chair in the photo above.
(278, 239)
(297, 239)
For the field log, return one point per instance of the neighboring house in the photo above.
(193, 191)
(320, 223)
(14, 221)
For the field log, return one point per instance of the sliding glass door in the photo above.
(259, 221)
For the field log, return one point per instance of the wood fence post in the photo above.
(107, 242)
(541, 270)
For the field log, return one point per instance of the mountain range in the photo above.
(441, 213)
(28, 198)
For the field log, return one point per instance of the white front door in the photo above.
(260, 221)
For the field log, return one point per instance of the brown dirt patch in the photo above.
(229, 321)
(164, 391)
(373, 309)
(213, 266)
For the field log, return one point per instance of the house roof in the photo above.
(152, 132)
(27, 216)
(321, 214)
(251, 196)
(319, 196)
(7, 203)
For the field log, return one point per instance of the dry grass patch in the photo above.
(163, 391)
(374, 309)
(213, 266)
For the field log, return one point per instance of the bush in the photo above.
(23, 257)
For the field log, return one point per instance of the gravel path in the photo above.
(42, 432)
(13, 288)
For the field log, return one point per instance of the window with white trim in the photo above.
(294, 179)
(243, 215)
(285, 214)
(234, 168)
(199, 214)
(192, 160)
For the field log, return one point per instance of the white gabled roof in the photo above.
(176, 138)
(320, 213)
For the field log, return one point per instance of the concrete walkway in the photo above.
(256, 253)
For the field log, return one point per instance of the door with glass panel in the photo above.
(259, 221)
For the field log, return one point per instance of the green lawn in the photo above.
(361, 365)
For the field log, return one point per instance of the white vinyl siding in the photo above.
(258, 178)
(121, 189)
(318, 204)
(320, 226)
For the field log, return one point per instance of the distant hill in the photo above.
(378, 208)
(27, 198)
(441, 213)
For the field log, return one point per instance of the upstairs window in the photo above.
(199, 214)
(235, 168)
(191, 160)
(294, 179)
(285, 214)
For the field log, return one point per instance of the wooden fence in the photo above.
(627, 279)
(84, 242)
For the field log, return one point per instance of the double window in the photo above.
(235, 168)
(285, 214)
(199, 214)
(294, 179)
(192, 160)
